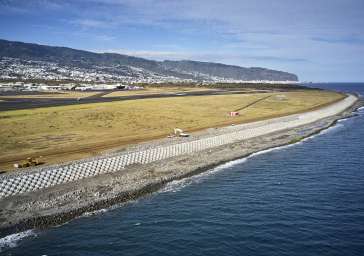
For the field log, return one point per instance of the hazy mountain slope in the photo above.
(228, 71)
(112, 62)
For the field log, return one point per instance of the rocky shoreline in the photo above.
(59, 204)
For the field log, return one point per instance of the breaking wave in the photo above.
(87, 214)
(177, 185)
(13, 240)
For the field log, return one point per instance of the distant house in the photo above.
(233, 113)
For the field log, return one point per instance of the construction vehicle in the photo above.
(179, 133)
(31, 161)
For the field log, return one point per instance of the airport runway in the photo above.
(28, 103)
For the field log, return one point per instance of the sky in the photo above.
(319, 40)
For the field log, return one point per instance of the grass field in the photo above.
(77, 131)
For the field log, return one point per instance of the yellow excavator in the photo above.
(179, 133)
(31, 161)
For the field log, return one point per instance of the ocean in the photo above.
(302, 199)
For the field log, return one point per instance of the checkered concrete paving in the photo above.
(50, 176)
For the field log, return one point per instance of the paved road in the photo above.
(22, 103)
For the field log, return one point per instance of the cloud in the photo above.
(340, 40)
(92, 23)
(316, 37)
(105, 38)
(26, 6)
(277, 59)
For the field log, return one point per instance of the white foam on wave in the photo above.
(87, 214)
(330, 129)
(271, 150)
(337, 126)
(342, 120)
(177, 185)
(110, 208)
(13, 240)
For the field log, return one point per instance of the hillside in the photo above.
(29, 61)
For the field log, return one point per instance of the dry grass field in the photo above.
(73, 132)
(155, 90)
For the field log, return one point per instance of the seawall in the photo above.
(55, 204)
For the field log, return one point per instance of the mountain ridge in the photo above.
(125, 66)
